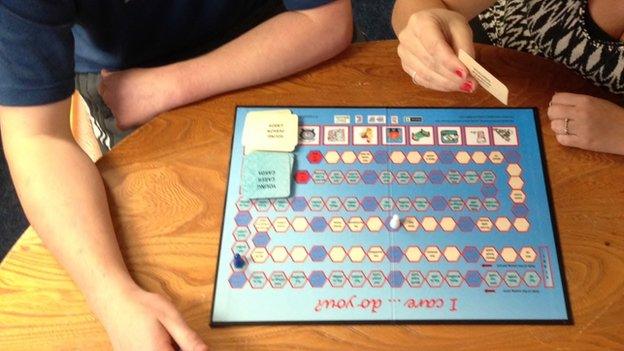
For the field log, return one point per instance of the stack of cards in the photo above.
(269, 137)
(271, 130)
(267, 174)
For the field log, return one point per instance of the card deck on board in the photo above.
(270, 130)
(267, 175)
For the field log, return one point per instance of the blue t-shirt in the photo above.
(43, 43)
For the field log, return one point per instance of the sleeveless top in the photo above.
(559, 30)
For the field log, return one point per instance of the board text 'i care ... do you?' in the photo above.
(375, 304)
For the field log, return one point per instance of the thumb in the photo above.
(182, 334)
(461, 37)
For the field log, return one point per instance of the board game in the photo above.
(476, 240)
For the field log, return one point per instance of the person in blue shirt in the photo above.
(153, 56)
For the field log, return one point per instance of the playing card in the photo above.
(485, 78)
(267, 175)
(271, 130)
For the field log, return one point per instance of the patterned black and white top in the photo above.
(559, 30)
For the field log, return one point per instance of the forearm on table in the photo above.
(63, 196)
(404, 9)
(285, 44)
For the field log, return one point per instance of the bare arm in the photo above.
(287, 43)
(403, 9)
(63, 196)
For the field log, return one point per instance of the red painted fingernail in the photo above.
(460, 73)
(466, 87)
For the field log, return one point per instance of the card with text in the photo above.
(485, 78)
(267, 175)
(270, 130)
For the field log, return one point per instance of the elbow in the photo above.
(344, 37)
(339, 34)
(334, 23)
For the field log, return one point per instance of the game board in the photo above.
(476, 243)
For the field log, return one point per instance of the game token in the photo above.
(239, 262)
(395, 222)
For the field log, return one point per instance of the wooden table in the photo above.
(166, 184)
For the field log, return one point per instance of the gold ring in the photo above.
(566, 131)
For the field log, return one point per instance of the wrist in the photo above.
(177, 86)
(103, 296)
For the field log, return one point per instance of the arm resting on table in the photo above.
(64, 198)
(287, 43)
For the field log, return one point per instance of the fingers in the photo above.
(558, 126)
(425, 77)
(565, 140)
(462, 38)
(425, 70)
(561, 111)
(164, 346)
(428, 51)
(561, 116)
(182, 334)
(570, 99)
(442, 59)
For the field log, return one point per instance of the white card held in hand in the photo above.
(271, 130)
(485, 78)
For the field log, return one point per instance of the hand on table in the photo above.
(428, 48)
(593, 124)
(139, 320)
(137, 95)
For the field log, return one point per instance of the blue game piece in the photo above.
(239, 262)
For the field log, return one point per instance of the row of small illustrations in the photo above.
(332, 135)
(395, 279)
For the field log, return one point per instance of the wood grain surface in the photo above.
(166, 184)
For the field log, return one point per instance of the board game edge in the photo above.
(569, 320)
(553, 218)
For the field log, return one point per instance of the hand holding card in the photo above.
(485, 78)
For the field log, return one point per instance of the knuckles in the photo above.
(563, 140)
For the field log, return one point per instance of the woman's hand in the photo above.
(140, 320)
(592, 123)
(428, 48)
